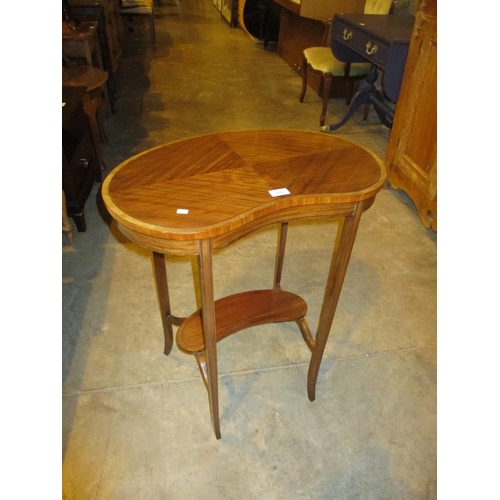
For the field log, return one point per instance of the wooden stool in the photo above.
(92, 79)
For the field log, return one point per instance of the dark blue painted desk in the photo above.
(382, 41)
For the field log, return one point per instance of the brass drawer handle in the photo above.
(346, 35)
(371, 50)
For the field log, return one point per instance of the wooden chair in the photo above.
(322, 61)
(141, 8)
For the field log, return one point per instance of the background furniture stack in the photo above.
(110, 33)
(82, 46)
(111, 29)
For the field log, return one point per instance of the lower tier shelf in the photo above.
(240, 311)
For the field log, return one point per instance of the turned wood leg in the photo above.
(160, 270)
(208, 316)
(303, 71)
(327, 81)
(336, 276)
(280, 254)
(90, 105)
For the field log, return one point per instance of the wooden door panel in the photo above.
(411, 157)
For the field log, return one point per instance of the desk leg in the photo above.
(162, 287)
(370, 94)
(336, 276)
(208, 314)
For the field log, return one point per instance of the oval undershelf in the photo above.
(237, 312)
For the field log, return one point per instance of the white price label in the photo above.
(279, 192)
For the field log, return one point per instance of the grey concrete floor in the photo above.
(136, 423)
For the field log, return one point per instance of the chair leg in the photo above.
(327, 81)
(303, 71)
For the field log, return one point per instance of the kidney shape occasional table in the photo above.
(194, 196)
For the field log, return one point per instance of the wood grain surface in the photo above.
(257, 307)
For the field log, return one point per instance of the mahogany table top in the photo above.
(205, 186)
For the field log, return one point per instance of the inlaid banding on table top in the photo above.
(224, 179)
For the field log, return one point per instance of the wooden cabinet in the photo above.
(79, 168)
(411, 157)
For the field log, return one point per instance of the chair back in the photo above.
(378, 6)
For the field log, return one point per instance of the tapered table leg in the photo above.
(208, 315)
(163, 298)
(280, 254)
(336, 276)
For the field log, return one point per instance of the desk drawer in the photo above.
(366, 45)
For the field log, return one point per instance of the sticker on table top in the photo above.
(182, 211)
(279, 192)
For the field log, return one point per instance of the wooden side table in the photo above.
(194, 196)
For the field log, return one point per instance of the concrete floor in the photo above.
(136, 423)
